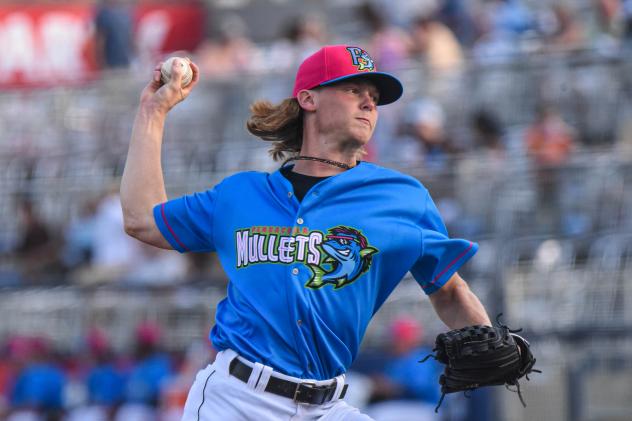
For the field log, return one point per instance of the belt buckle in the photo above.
(308, 385)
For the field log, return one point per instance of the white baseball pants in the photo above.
(216, 395)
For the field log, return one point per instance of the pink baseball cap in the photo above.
(334, 63)
(406, 329)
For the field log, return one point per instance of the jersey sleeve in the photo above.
(187, 222)
(441, 256)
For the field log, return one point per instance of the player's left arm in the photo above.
(457, 306)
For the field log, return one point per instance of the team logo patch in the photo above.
(361, 59)
(338, 258)
(347, 256)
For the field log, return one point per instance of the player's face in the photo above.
(347, 111)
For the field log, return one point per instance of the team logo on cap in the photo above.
(361, 59)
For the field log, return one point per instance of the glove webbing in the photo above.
(468, 336)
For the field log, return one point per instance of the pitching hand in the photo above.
(165, 96)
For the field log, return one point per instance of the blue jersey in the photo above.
(306, 278)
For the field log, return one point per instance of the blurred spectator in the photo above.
(389, 45)
(549, 143)
(227, 54)
(114, 253)
(114, 41)
(79, 237)
(150, 372)
(493, 47)
(40, 383)
(503, 23)
(458, 15)
(426, 148)
(103, 380)
(605, 26)
(8, 371)
(301, 37)
(205, 267)
(307, 33)
(424, 142)
(486, 161)
(511, 17)
(435, 44)
(156, 267)
(626, 14)
(562, 31)
(441, 56)
(607, 12)
(401, 12)
(99, 251)
(36, 250)
(549, 139)
(176, 389)
(412, 388)
(488, 135)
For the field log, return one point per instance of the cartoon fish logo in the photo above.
(348, 256)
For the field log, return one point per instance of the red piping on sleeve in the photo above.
(164, 218)
(452, 263)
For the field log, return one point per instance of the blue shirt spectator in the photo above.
(105, 384)
(416, 381)
(146, 379)
(114, 34)
(39, 385)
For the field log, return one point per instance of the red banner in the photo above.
(45, 44)
(163, 28)
(54, 44)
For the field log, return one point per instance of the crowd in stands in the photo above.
(419, 133)
(94, 382)
(440, 33)
(94, 249)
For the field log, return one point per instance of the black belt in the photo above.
(305, 392)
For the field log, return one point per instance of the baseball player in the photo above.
(311, 250)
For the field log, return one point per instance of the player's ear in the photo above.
(307, 99)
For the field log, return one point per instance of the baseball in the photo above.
(165, 70)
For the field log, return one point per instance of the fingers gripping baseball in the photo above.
(166, 89)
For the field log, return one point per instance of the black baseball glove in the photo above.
(477, 356)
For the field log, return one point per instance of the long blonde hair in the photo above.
(281, 124)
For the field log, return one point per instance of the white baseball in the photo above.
(165, 70)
